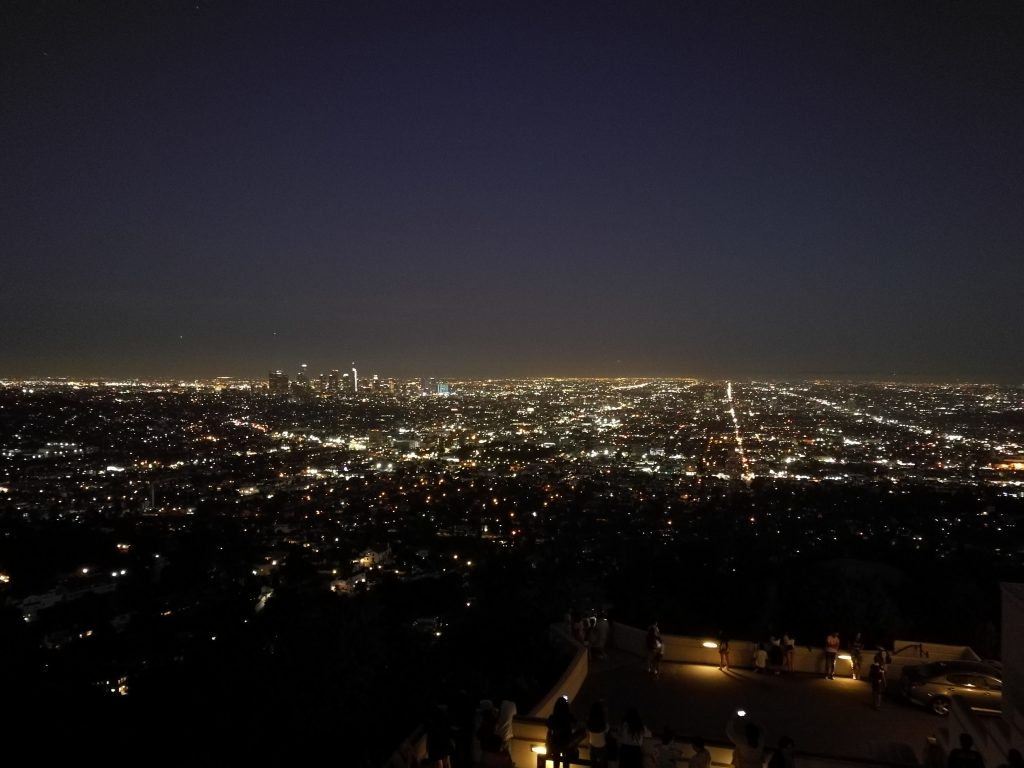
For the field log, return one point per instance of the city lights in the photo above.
(348, 494)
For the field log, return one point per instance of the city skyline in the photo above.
(290, 379)
(672, 189)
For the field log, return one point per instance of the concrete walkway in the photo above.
(827, 717)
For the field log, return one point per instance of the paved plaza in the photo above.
(825, 717)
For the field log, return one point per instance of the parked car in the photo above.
(933, 685)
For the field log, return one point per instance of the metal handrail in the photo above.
(921, 652)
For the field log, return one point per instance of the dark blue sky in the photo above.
(512, 188)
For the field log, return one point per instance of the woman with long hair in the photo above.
(632, 733)
(561, 725)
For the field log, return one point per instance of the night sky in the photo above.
(446, 189)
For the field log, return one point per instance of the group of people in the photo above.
(774, 655)
(777, 655)
(966, 756)
(632, 744)
(591, 631)
(876, 672)
(483, 742)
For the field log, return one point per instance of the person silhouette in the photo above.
(831, 652)
(632, 733)
(856, 647)
(965, 756)
(749, 741)
(561, 731)
(876, 676)
(655, 649)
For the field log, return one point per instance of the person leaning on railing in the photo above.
(561, 740)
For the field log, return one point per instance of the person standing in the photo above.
(775, 655)
(439, 738)
(856, 648)
(503, 728)
(579, 632)
(965, 756)
(600, 636)
(876, 676)
(701, 757)
(665, 753)
(760, 659)
(655, 649)
(788, 652)
(561, 727)
(597, 734)
(748, 740)
(782, 757)
(632, 733)
(831, 652)
(484, 724)
(723, 651)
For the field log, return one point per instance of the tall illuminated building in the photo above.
(278, 382)
(355, 378)
(334, 380)
(302, 379)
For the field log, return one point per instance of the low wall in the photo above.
(677, 647)
(918, 653)
(691, 650)
(527, 733)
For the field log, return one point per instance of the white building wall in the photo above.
(1013, 665)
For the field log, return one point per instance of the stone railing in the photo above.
(704, 650)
